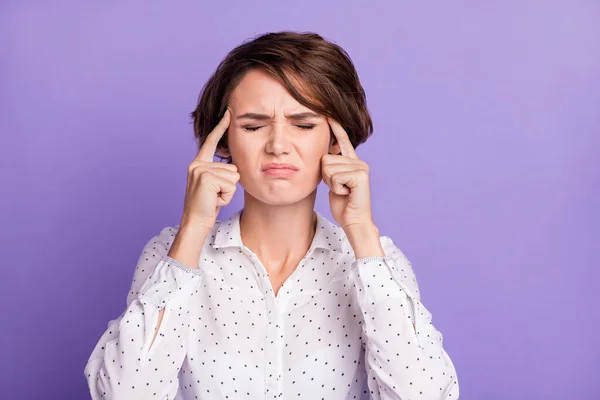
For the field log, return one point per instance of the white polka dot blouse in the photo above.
(338, 328)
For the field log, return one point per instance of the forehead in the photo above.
(260, 90)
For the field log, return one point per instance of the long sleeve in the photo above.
(403, 350)
(123, 364)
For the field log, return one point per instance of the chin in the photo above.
(280, 197)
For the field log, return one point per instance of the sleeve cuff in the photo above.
(170, 278)
(181, 265)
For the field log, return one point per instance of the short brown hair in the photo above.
(319, 74)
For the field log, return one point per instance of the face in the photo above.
(269, 126)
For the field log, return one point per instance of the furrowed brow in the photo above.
(303, 116)
(255, 116)
(265, 117)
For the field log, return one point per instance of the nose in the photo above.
(278, 141)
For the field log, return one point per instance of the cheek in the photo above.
(312, 152)
(239, 146)
(322, 142)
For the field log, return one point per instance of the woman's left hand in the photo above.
(348, 179)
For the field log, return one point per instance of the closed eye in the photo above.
(251, 128)
(306, 127)
(255, 128)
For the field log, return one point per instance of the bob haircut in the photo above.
(317, 73)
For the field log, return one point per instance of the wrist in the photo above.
(362, 231)
(365, 241)
(187, 244)
(196, 225)
(195, 228)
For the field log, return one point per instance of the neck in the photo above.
(279, 235)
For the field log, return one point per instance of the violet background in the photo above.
(485, 170)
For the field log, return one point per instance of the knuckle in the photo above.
(205, 176)
(193, 174)
(195, 167)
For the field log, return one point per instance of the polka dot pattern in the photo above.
(338, 328)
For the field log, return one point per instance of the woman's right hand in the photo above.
(210, 185)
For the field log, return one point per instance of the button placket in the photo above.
(272, 350)
(280, 329)
(271, 347)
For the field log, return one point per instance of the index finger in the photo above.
(342, 139)
(208, 149)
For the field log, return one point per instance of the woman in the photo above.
(276, 301)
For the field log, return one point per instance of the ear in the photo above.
(334, 147)
(223, 152)
(223, 149)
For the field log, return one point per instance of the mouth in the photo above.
(280, 170)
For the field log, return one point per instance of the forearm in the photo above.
(187, 245)
(125, 363)
(406, 358)
(186, 248)
(404, 350)
(161, 315)
(365, 241)
(122, 366)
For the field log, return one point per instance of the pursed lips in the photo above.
(269, 166)
(280, 170)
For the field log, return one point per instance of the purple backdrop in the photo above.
(485, 166)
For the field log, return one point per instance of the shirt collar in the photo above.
(327, 236)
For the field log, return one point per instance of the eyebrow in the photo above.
(265, 117)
